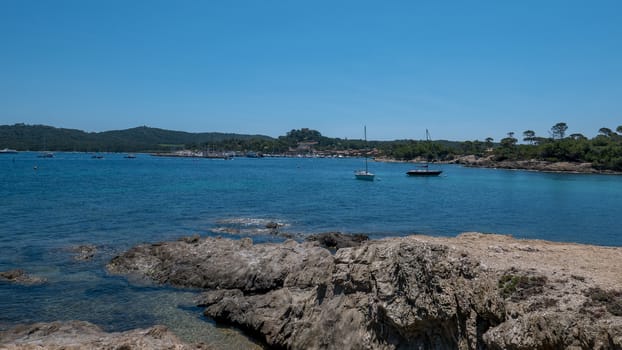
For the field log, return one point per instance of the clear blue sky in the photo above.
(464, 70)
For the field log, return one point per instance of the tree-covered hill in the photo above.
(41, 137)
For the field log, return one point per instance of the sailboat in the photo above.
(44, 153)
(364, 174)
(424, 170)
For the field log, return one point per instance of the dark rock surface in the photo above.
(337, 240)
(471, 292)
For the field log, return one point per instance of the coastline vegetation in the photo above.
(604, 151)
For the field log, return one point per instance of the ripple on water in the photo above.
(248, 226)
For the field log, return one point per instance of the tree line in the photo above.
(604, 151)
(24, 137)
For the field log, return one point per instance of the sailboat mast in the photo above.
(365, 131)
(364, 174)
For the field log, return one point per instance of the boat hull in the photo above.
(363, 175)
(424, 172)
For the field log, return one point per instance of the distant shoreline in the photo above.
(472, 161)
(534, 165)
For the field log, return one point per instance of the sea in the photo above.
(50, 206)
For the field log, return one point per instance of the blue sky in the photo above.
(465, 70)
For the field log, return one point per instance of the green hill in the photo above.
(41, 137)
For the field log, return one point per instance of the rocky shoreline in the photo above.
(473, 161)
(474, 291)
(531, 165)
(74, 335)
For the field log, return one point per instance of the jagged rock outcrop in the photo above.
(471, 292)
(74, 335)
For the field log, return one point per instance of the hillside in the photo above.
(24, 137)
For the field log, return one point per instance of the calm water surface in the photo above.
(115, 203)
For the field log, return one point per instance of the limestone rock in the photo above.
(74, 335)
(216, 263)
(471, 292)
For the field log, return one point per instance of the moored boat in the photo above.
(364, 174)
(423, 171)
(46, 155)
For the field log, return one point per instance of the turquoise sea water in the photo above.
(115, 203)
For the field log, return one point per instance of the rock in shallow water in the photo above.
(411, 292)
(20, 276)
(85, 335)
(84, 252)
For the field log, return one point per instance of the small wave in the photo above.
(248, 226)
(249, 221)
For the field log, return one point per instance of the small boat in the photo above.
(7, 151)
(46, 155)
(364, 174)
(253, 155)
(130, 156)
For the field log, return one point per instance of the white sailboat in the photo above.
(364, 174)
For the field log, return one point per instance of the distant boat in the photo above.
(424, 170)
(252, 155)
(97, 156)
(130, 156)
(7, 151)
(46, 155)
(364, 174)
